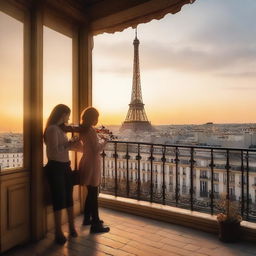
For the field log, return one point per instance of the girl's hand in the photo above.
(74, 139)
(102, 137)
(74, 142)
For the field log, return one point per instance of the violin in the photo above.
(72, 128)
(102, 131)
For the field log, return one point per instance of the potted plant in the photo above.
(229, 220)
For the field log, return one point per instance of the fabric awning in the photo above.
(141, 13)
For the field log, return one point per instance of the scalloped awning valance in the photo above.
(141, 13)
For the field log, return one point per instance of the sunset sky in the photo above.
(198, 65)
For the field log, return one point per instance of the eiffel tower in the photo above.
(136, 118)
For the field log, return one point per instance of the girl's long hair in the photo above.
(56, 114)
(88, 116)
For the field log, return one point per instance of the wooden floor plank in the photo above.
(134, 235)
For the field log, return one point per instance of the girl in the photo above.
(90, 169)
(58, 171)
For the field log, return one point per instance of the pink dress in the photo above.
(90, 163)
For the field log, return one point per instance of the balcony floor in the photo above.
(133, 235)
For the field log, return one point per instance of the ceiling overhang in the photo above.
(134, 14)
(105, 15)
(116, 15)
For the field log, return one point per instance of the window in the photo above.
(11, 75)
(216, 188)
(232, 192)
(57, 76)
(232, 177)
(240, 179)
(203, 174)
(216, 176)
(203, 186)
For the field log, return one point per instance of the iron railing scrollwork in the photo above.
(170, 175)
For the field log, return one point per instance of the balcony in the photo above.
(232, 182)
(204, 194)
(244, 183)
(155, 187)
(205, 177)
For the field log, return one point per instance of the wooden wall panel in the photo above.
(17, 203)
(15, 209)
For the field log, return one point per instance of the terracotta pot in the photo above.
(229, 231)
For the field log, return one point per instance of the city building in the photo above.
(10, 160)
(11, 151)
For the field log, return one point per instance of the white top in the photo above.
(57, 144)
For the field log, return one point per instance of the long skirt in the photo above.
(59, 176)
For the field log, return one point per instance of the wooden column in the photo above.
(36, 122)
(82, 79)
(85, 46)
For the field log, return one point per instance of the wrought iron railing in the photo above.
(162, 180)
(203, 177)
